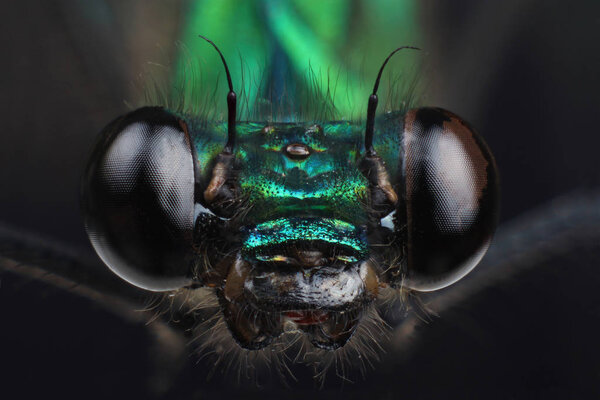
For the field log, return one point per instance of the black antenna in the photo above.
(372, 107)
(231, 104)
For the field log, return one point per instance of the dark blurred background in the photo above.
(524, 73)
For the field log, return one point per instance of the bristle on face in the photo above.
(289, 357)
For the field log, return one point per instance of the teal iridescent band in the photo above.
(285, 230)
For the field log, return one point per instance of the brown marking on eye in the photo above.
(409, 185)
(458, 128)
(409, 122)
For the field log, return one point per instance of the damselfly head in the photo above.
(296, 227)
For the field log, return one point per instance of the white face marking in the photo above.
(388, 221)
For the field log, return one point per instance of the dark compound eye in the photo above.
(451, 193)
(138, 199)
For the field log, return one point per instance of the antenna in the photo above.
(231, 104)
(372, 107)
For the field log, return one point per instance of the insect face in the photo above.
(297, 227)
(303, 248)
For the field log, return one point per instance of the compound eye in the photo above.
(451, 185)
(138, 199)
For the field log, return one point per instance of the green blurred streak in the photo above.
(343, 43)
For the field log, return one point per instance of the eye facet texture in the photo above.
(138, 199)
(451, 198)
